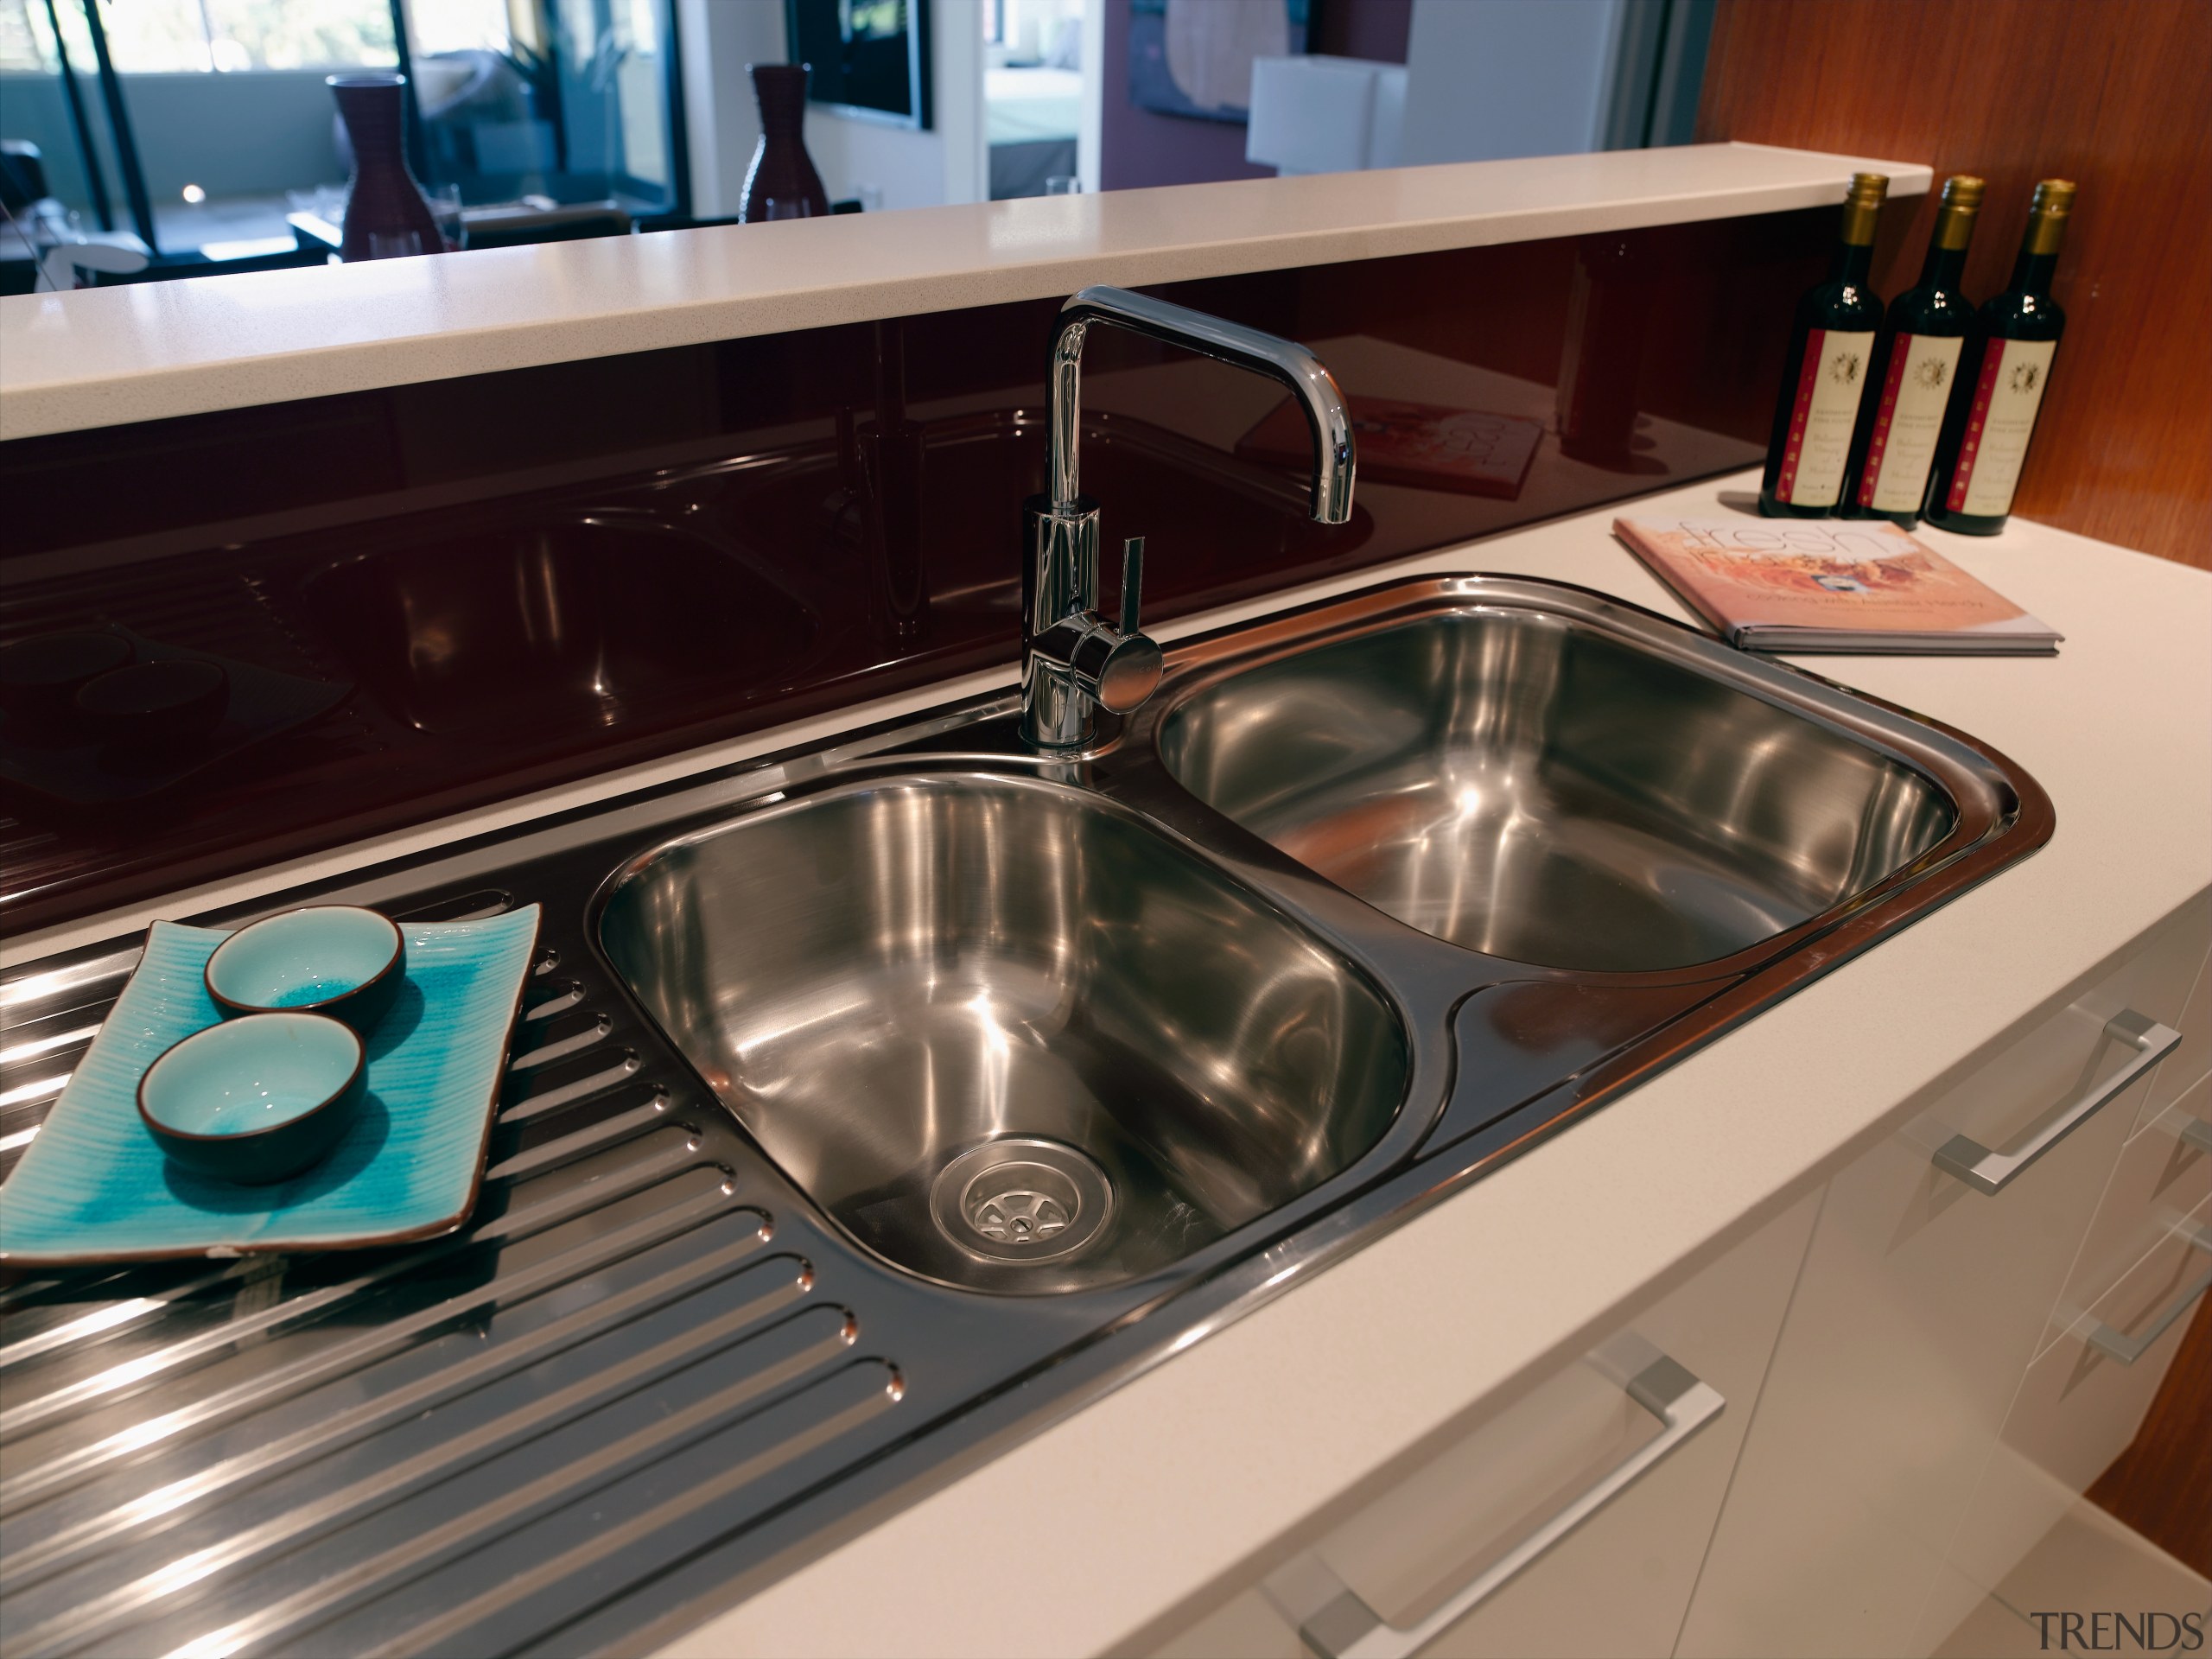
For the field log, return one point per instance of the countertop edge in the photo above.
(113, 356)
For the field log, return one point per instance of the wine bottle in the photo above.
(1994, 407)
(1831, 338)
(1916, 360)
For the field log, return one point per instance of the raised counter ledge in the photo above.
(1173, 1478)
(107, 357)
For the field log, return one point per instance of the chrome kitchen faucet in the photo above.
(1072, 657)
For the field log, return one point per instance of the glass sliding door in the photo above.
(201, 123)
(227, 102)
(570, 101)
(49, 97)
(61, 181)
(487, 94)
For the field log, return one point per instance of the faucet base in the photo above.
(1059, 580)
(1053, 714)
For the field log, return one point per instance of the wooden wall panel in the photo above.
(2111, 93)
(2158, 1486)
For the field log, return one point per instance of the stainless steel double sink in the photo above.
(1360, 879)
(873, 1104)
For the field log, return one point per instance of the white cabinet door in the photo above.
(2082, 1400)
(2077, 1409)
(2165, 1172)
(1925, 1297)
(2190, 1062)
(1569, 1519)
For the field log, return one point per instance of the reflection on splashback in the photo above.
(503, 583)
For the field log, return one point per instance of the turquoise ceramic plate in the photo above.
(94, 1186)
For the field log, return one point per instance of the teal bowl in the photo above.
(336, 959)
(255, 1100)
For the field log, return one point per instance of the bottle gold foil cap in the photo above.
(1962, 195)
(1862, 205)
(2048, 211)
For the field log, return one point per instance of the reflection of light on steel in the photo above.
(37, 1090)
(16, 1053)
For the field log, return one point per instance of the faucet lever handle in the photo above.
(1132, 581)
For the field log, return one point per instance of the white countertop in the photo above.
(103, 357)
(1192, 1466)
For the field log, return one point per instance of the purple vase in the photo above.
(782, 171)
(385, 213)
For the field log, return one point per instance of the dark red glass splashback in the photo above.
(530, 577)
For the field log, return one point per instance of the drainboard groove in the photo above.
(101, 1324)
(27, 1293)
(564, 996)
(201, 1573)
(567, 1094)
(781, 1356)
(679, 1214)
(25, 1048)
(596, 1031)
(34, 1099)
(179, 1501)
(83, 986)
(578, 1143)
(842, 1402)
(35, 1296)
(520, 1222)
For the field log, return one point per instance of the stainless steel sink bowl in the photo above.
(1009, 1036)
(1529, 785)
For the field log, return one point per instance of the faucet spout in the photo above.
(1072, 660)
(1282, 360)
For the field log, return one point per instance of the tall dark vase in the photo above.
(782, 171)
(385, 213)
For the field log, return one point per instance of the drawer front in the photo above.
(2078, 1409)
(2122, 1033)
(2163, 1173)
(2187, 1064)
(1573, 1515)
(1924, 1298)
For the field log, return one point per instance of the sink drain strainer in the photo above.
(1021, 1200)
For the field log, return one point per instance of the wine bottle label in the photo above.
(1908, 422)
(2001, 421)
(1830, 382)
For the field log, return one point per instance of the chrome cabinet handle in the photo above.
(1990, 1171)
(2127, 1349)
(1343, 1626)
